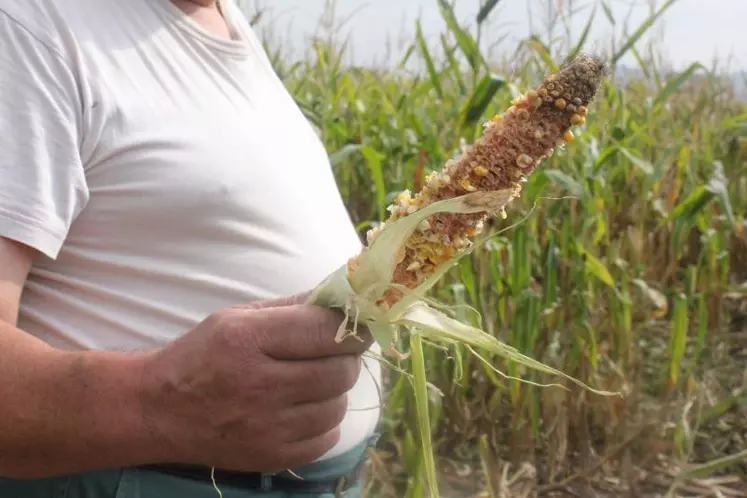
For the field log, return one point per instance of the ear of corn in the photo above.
(428, 232)
(512, 146)
(384, 286)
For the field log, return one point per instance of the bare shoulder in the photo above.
(15, 264)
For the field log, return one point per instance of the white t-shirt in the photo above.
(163, 173)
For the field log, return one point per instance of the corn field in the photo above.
(622, 264)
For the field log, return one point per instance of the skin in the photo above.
(259, 387)
(207, 14)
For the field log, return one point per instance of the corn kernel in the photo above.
(466, 185)
(560, 103)
(568, 136)
(524, 161)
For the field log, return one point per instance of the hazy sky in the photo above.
(692, 30)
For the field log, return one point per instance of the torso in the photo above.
(205, 185)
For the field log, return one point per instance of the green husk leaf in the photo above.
(438, 326)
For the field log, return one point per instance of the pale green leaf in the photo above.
(438, 326)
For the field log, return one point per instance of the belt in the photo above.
(263, 482)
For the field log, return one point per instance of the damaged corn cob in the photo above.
(512, 146)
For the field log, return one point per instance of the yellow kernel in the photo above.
(481, 171)
(542, 92)
(582, 110)
(560, 103)
(577, 120)
(498, 118)
(568, 136)
(466, 185)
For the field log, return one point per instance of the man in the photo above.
(164, 208)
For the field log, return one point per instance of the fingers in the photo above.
(317, 380)
(309, 420)
(299, 332)
(302, 452)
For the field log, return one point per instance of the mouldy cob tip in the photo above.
(512, 146)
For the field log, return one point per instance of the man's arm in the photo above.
(62, 412)
(258, 388)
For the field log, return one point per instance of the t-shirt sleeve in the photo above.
(42, 181)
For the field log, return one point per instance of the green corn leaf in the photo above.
(572, 186)
(584, 35)
(485, 10)
(692, 205)
(374, 158)
(678, 339)
(480, 98)
(464, 40)
(595, 267)
(342, 153)
(423, 412)
(430, 66)
(638, 33)
(676, 83)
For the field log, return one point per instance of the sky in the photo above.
(691, 30)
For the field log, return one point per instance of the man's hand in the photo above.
(256, 388)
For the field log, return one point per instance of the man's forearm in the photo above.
(63, 412)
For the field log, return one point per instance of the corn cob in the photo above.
(512, 146)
